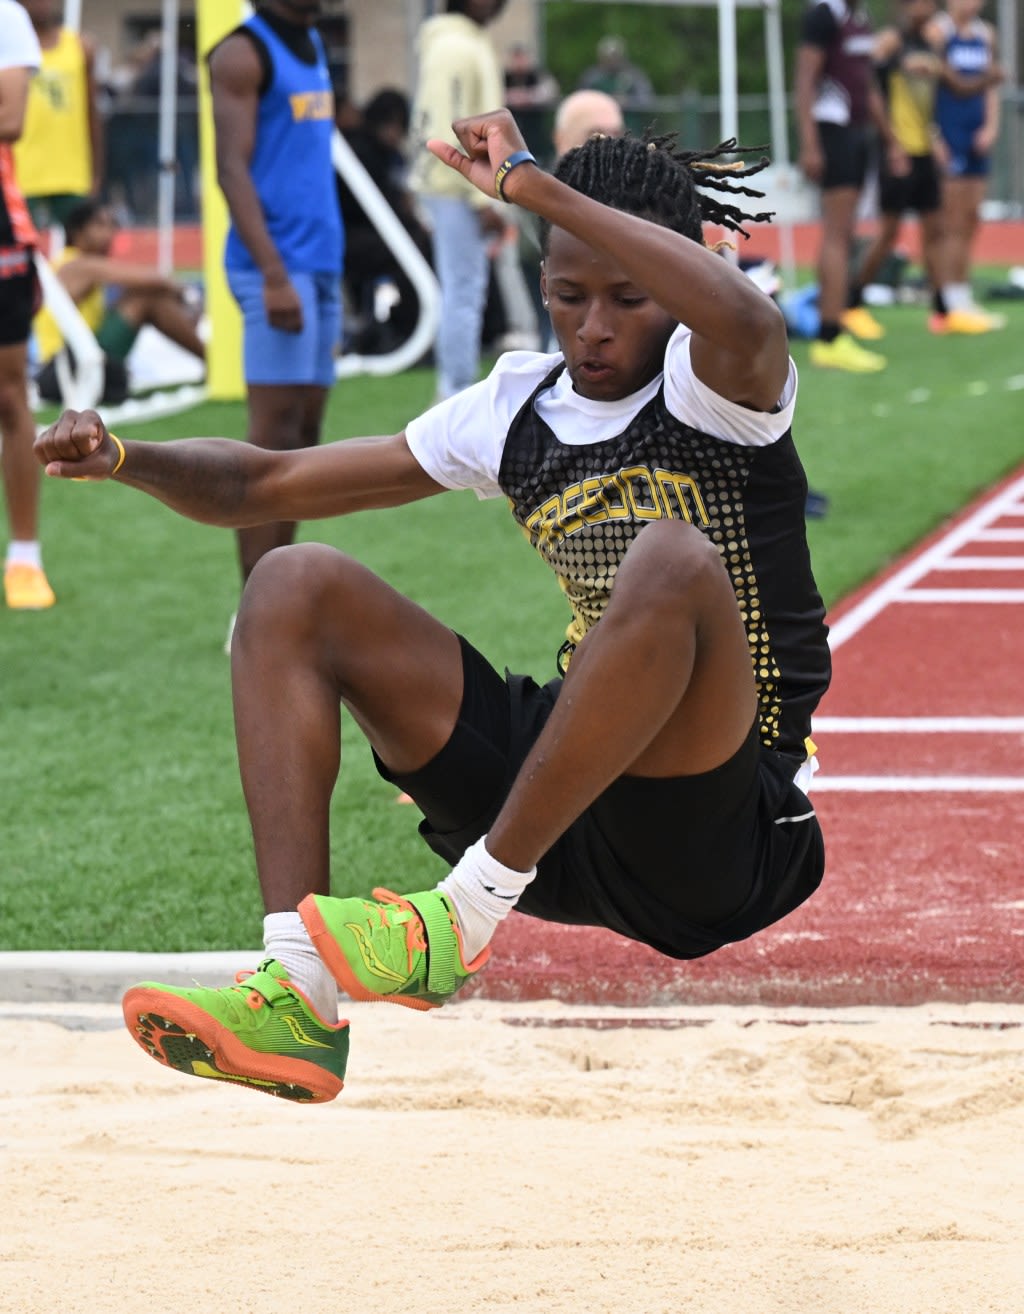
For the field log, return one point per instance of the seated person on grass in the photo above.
(144, 296)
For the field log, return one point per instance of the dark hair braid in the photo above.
(650, 178)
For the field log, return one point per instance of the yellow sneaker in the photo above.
(972, 321)
(859, 321)
(842, 353)
(26, 588)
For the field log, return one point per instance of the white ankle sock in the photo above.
(484, 892)
(957, 296)
(286, 939)
(24, 552)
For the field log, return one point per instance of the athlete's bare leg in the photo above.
(878, 251)
(961, 207)
(281, 417)
(21, 470)
(668, 666)
(935, 250)
(168, 314)
(838, 218)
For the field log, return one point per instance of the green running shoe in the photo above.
(262, 1033)
(403, 950)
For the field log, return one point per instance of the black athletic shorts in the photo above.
(847, 151)
(19, 295)
(919, 190)
(685, 865)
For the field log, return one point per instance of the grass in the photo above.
(124, 821)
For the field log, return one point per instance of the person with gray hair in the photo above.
(584, 114)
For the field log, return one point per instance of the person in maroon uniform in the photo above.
(839, 110)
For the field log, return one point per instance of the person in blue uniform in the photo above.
(967, 118)
(273, 113)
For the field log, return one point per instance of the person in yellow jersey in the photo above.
(59, 158)
(144, 295)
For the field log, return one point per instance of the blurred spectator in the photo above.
(148, 86)
(585, 114)
(531, 93)
(59, 159)
(87, 270)
(459, 75)
(526, 85)
(967, 116)
(614, 74)
(378, 141)
(25, 585)
(839, 110)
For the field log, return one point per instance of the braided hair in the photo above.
(650, 178)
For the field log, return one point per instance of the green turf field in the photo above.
(124, 826)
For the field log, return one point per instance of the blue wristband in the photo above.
(506, 167)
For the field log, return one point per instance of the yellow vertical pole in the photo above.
(225, 382)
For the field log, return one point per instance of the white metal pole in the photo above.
(167, 147)
(728, 98)
(780, 133)
(1008, 25)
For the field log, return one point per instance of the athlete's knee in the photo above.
(671, 560)
(288, 589)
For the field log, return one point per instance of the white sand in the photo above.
(867, 1161)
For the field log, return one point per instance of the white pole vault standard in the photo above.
(167, 148)
(406, 252)
(82, 389)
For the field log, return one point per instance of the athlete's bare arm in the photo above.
(221, 482)
(739, 347)
(810, 65)
(13, 98)
(82, 273)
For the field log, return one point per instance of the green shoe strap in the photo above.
(264, 984)
(442, 942)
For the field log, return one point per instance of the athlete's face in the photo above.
(612, 334)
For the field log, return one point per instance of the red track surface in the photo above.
(923, 899)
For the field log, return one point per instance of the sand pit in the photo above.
(528, 1158)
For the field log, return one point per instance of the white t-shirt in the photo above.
(19, 45)
(460, 441)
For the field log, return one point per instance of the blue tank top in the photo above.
(968, 54)
(291, 162)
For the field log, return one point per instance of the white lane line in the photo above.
(959, 596)
(984, 563)
(917, 784)
(1000, 536)
(919, 725)
(1007, 502)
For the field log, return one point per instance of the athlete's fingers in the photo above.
(74, 436)
(448, 154)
